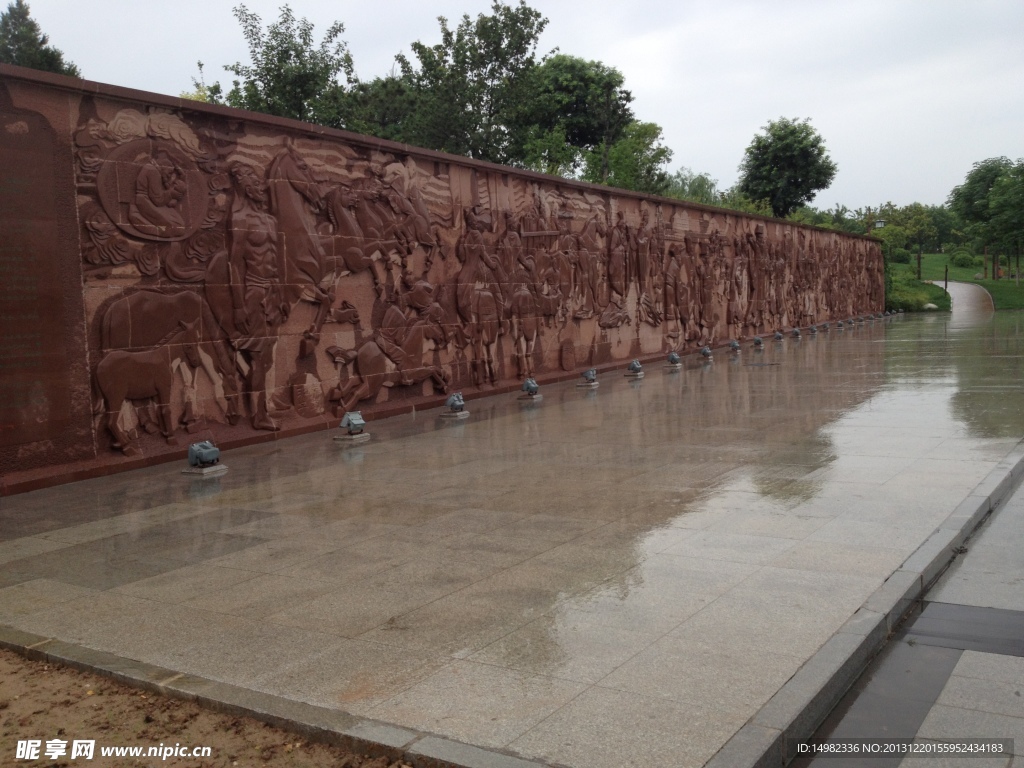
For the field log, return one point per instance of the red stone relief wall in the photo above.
(234, 276)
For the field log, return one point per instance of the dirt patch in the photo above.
(46, 701)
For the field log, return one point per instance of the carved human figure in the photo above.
(657, 271)
(616, 314)
(757, 248)
(642, 260)
(566, 257)
(393, 333)
(413, 222)
(535, 220)
(778, 257)
(259, 305)
(478, 298)
(511, 251)
(295, 198)
(677, 301)
(159, 190)
(588, 266)
(618, 255)
(374, 369)
(711, 274)
(525, 322)
(739, 292)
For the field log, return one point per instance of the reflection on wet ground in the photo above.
(607, 578)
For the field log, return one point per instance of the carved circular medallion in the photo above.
(153, 190)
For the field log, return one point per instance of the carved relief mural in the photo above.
(243, 277)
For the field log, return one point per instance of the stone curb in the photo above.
(798, 708)
(355, 734)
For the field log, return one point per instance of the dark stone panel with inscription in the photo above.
(42, 356)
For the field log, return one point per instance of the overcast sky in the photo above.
(907, 93)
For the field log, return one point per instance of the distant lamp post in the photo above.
(879, 223)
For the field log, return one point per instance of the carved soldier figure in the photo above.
(407, 201)
(589, 265)
(615, 313)
(739, 292)
(393, 332)
(259, 304)
(411, 229)
(643, 241)
(778, 257)
(618, 253)
(478, 298)
(677, 300)
(511, 252)
(757, 247)
(525, 323)
(566, 255)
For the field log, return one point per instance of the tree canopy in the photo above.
(636, 161)
(289, 75)
(686, 184)
(990, 202)
(1006, 208)
(469, 88)
(575, 108)
(786, 166)
(482, 91)
(23, 43)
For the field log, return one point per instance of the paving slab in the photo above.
(623, 577)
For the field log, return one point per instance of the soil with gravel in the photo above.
(45, 701)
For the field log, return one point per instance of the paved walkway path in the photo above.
(969, 301)
(611, 578)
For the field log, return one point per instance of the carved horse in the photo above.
(374, 370)
(356, 248)
(122, 375)
(139, 320)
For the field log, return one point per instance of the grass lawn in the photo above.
(1005, 292)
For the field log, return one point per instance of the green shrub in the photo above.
(900, 256)
(963, 259)
(911, 295)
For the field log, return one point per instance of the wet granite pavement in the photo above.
(955, 670)
(607, 578)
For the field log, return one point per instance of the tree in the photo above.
(290, 76)
(582, 104)
(786, 166)
(737, 200)
(1006, 209)
(549, 151)
(471, 86)
(946, 224)
(636, 161)
(685, 184)
(23, 43)
(972, 202)
(210, 94)
(383, 107)
(918, 223)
